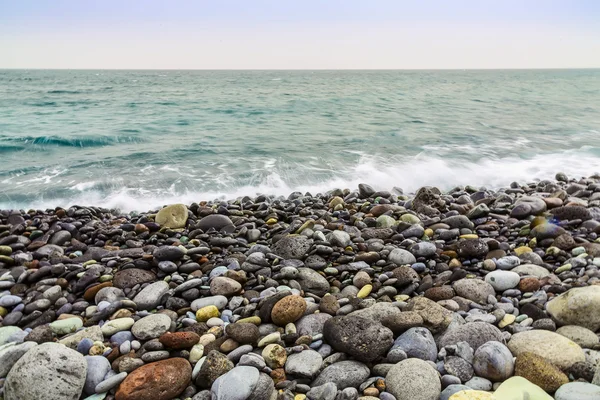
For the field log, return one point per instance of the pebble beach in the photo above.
(465, 294)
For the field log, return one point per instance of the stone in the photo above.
(474, 289)
(160, 380)
(472, 248)
(305, 364)
(214, 365)
(359, 337)
(287, 310)
(578, 391)
(128, 278)
(150, 297)
(93, 333)
(540, 371)
(275, 356)
(531, 270)
(413, 379)
(179, 340)
(578, 306)
(65, 326)
(312, 282)
(580, 335)
(474, 333)
(312, 324)
(237, 384)
(292, 247)
(218, 301)
(494, 361)
(458, 367)
(151, 326)
(6, 332)
(418, 343)
(343, 374)
(435, 317)
(559, 350)
(472, 395)
(97, 368)
(518, 388)
(10, 353)
(503, 280)
(401, 257)
(206, 313)
(117, 325)
(243, 333)
(173, 216)
(47, 371)
(222, 286)
(218, 222)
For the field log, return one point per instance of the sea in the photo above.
(136, 140)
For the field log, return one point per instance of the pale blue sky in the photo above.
(308, 34)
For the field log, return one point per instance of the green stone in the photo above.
(578, 250)
(385, 221)
(5, 250)
(410, 219)
(66, 326)
(563, 268)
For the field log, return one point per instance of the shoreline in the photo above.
(344, 295)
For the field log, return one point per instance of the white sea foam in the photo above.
(382, 174)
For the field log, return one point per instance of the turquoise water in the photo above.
(139, 139)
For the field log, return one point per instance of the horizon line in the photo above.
(300, 69)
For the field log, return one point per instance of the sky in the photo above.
(302, 34)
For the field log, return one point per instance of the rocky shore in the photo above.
(472, 294)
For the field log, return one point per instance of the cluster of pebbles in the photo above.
(471, 294)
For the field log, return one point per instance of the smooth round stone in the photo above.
(120, 337)
(559, 350)
(503, 280)
(237, 384)
(577, 306)
(418, 343)
(117, 325)
(110, 383)
(125, 347)
(344, 374)
(151, 295)
(452, 389)
(508, 262)
(413, 379)
(214, 321)
(494, 361)
(10, 300)
(151, 327)
(578, 391)
(98, 367)
(6, 332)
(85, 345)
(66, 326)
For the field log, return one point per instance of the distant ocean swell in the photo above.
(136, 140)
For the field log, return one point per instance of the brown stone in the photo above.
(161, 380)
(329, 305)
(529, 284)
(289, 309)
(215, 365)
(540, 371)
(243, 333)
(128, 278)
(179, 340)
(90, 294)
(440, 293)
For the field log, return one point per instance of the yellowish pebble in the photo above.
(455, 263)
(402, 297)
(206, 339)
(300, 396)
(507, 320)
(365, 291)
(250, 320)
(522, 250)
(196, 353)
(429, 232)
(206, 313)
(271, 221)
(472, 395)
(469, 236)
(3, 311)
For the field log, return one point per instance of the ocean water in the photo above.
(135, 140)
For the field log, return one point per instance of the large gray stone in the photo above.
(151, 327)
(344, 374)
(305, 364)
(474, 333)
(218, 222)
(312, 282)
(401, 257)
(47, 371)
(413, 379)
(292, 247)
(10, 353)
(362, 338)
(237, 384)
(150, 297)
(417, 343)
(578, 306)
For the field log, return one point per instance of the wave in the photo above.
(73, 141)
(63, 92)
(274, 179)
